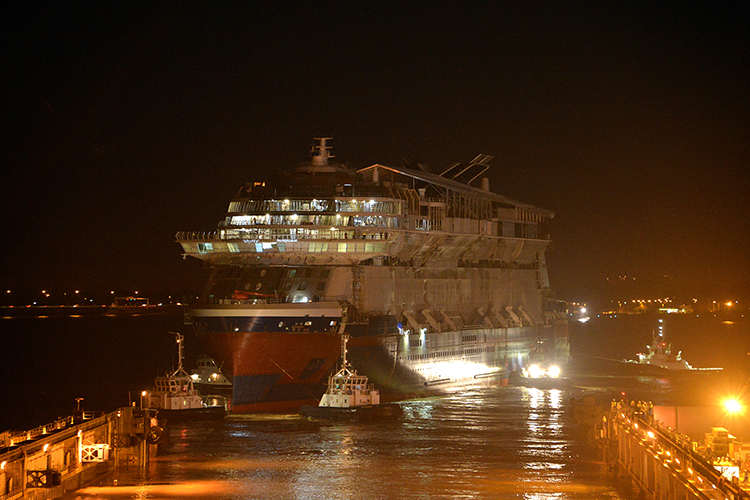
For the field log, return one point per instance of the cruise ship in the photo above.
(440, 284)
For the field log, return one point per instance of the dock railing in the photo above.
(45, 462)
(661, 460)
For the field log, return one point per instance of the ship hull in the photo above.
(281, 371)
(355, 414)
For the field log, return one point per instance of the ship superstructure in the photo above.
(440, 284)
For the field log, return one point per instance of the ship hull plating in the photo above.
(281, 371)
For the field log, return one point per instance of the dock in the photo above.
(668, 465)
(47, 462)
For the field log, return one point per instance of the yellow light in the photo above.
(554, 371)
(534, 371)
(651, 434)
(733, 406)
(143, 393)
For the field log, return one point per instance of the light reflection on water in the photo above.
(514, 443)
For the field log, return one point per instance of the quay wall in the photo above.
(51, 460)
(662, 463)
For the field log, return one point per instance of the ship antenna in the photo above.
(180, 338)
(320, 154)
(344, 340)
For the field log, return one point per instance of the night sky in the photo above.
(125, 122)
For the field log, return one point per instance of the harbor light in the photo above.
(733, 406)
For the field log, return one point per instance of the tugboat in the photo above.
(175, 398)
(350, 396)
(661, 360)
(542, 373)
(543, 376)
(208, 378)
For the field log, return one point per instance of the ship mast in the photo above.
(320, 153)
(179, 339)
(344, 340)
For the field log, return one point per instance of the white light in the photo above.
(733, 406)
(554, 371)
(534, 371)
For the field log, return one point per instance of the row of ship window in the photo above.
(245, 206)
(336, 221)
(444, 354)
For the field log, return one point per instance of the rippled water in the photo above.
(496, 443)
(513, 443)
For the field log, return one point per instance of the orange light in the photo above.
(733, 406)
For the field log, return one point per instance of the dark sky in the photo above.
(125, 122)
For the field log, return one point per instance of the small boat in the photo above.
(661, 360)
(543, 376)
(175, 398)
(208, 378)
(350, 396)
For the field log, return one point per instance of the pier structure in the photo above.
(662, 463)
(72, 452)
